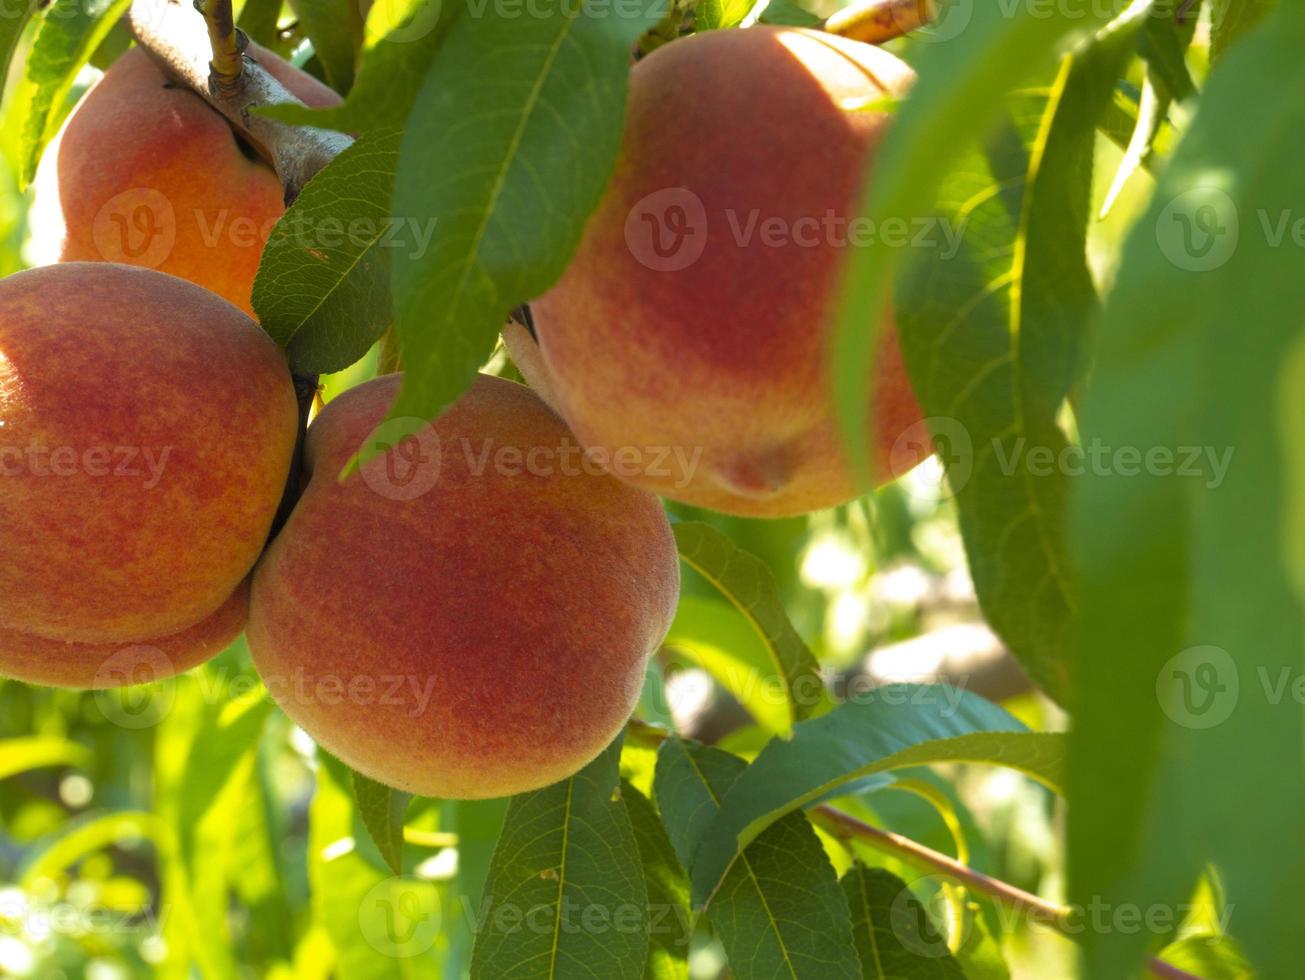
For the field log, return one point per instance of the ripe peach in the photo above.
(146, 431)
(469, 616)
(145, 173)
(696, 314)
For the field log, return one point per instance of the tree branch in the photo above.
(847, 828)
(200, 53)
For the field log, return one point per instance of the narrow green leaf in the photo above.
(38, 752)
(779, 912)
(895, 938)
(712, 15)
(400, 41)
(84, 837)
(565, 895)
(336, 29)
(669, 924)
(787, 13)
(70, 32)
(959, 96)
(1230, 19)
(482, 154)
(993, 337)
(899, 726)
(747, 583)
(1193, 602)
(323, 286)
(11, 32)
(383, 810)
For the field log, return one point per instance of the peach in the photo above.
(471, 614)
(146, 433)
(697, 312)
(145, 173)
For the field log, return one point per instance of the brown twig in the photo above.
(196, 52)
(878, 21)
(847, 828)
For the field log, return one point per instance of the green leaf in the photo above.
(83, 838)
(401, 39)
(779, 912)
(259, 19)
(479, 824)
(959, 96)
(336, 29)
(39, 752)
(897, 726)
(323, 286)
(714, 15)
(383, 810)
(482, 153)
(382, 926)
(669, 924)
(994, 335)
(895, 938)
(565, 895)
(787, 13)
(1208, 957)
(1230, 19)
(11, 32)
(1192, 603)
(70, 32)
(749, 585)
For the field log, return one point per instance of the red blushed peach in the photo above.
(471, 615)
(145, 173)
(698, 311)
(146, 431)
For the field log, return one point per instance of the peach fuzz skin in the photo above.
(728, 356)
(146, 433)
(146, 173)
(487, 636)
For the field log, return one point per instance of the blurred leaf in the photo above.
(11, 32)
(960, 94)
(481, 151)
(566, 851)
(895, 938)
(401, 38)
(382, 926)
(323, 286)
(713, 15)
(21, 754)
(257, 869)
(70, 32)
(747, 583)
(787, 13)
(383, 810)
(336, 29)
(83, 838)
(669, 924)
(1192, 602)
(994, 336)
(1230, 19)
(259, 19)
(479, 824)
(904, 725)
(779, 911)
